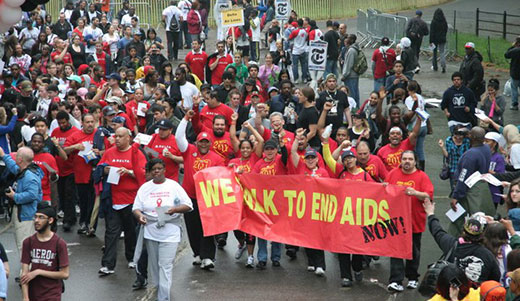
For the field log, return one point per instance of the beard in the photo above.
(44, 227)
(218, 133)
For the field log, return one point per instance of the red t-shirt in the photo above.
(124, 192)
(288, 139)
(383, 62)
(67, 59)
(216, 74)
(220, 145)
(82, 170)
(272, 168)
(301, 152)
(419, 181)
(98, 84)
(131, 109)
(376, 168)
(197, 63)
(158, 144)
(245, 165)
(65, 167)
(79, 33)
(360, 176)
(319, 172)
(391, 156)
(207, 114)
(45, 256)
(40, 159)
(101, 60)
(195, 161)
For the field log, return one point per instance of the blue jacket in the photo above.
(28, 188)
(475, 159)
(6, 129)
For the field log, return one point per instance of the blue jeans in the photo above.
(302, 59)
(515, 85)
(353, 86)
(378, 83)
(276, 250)
(331, 67)
(419, 145)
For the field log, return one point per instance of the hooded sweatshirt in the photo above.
(471, 68)
(350, 59)
(455, 100)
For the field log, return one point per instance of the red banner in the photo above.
(339, 216)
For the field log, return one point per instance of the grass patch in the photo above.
(492, 53)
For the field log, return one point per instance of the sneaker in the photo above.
(196, 260)
(77, 210)
(311, 268)
(61, 214)
(443, 70)
(91, 232)
(514, 108)
(395, 287)
(412, 284)
(358, 276)
(240, 251)
(104, 271)
(291, 253)
(276, 264)
(345, 282)
(261, 265)
(319, 272)
(132, 265)
(122, 235)
(207, 264)
(139, 285)
(250, 262)
(82, 229)
(221, 243)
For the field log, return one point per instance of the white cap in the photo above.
(469, 45)
(498, 138)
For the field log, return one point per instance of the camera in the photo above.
(7, 190)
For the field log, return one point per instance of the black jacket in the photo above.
(76, 14)
(471, 257)
(455, 100)
(61, 30)
(473, 72)
(438, 31)
(416, 28)
(513, 53)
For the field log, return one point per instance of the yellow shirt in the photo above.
(474, 295)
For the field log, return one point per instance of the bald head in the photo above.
(24, 157)
(123, 136)
(476, 135)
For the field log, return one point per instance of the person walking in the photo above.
(415, 30)
(332, 38)
(348, 75)
(513, 53)
(383, 60)
(472, 70)
(438, 31)
(172, 18)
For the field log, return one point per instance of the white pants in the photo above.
(22, 230)
(160, 262)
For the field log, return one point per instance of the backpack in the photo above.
(174, 24)
(360, 63)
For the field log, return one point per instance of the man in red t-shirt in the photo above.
(196, 60)
(66, 183)
(213, 108)
(277, 124)
(391, 153)
(218, 63)
(61, 53)
(128, 162)
(47, 164)
(383, 60)
(102, 58)
(77, 146)
(166, 147)
(419, 187)
(197, 157)
(370, 163)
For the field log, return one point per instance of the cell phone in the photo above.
(455, 282)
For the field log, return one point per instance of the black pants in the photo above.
(397, 268)
(347, 264)
(173, 43)
(67, 193)
(416, 46)
(187, 37)
(142, 264)
(117, 221)
(244, 237)
(86, 195)
(315, 258)
(203, 246)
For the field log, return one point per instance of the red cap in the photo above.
(147, 69)
(203, 135)
(294, 24)
(82, 68)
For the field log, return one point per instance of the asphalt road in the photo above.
(230, 279)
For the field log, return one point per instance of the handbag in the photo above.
(445, 171)
(428, 285)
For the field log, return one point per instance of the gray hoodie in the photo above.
(350, 58)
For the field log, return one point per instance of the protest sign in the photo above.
(232, 17)
(335, 215)
(282, 10)
(317, 55)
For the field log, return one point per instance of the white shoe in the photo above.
(105, 271)
(310, 268)
(250, 262)
(61, 214)
(319, 272)
(196, 260)
(240, 251)
(395, 287)
(207, 264)
(132, 265)
(412, 284)
(122, 235)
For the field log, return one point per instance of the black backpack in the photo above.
(174, 24)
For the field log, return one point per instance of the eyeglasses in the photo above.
(40, 217)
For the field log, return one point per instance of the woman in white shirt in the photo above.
(157, 207)
(111, 38)
(416, 105)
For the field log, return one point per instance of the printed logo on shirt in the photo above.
(120, 161)
(200, 164)
(268, 170)
(410, 183)
(42, 256)
(394, 159)
(221, 147)
(462, 174)
(371, 169)
(458, 101)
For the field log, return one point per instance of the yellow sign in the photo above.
(232, 17)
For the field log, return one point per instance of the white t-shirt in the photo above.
(514, 155)
(30, 37)
(112, 42)
(256, 31)
(409, 105)
(169, 12)
(168, 194)
(185, 7)
(188, 90)
(126, 20)
(96, 34)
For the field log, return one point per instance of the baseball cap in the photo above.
(165, 124)
(270, 144)
(493, 136)
(115, 76)
(109, 111)
(119, 119)
(26, 86)
(310, 152)
(418, 12)
(114, 99)
(335, 24)
(492, 291)
(469, 45)
(271, 89)
(203, 136)
(46, 209)
(294, 24)
(473, 227)
(205, 86)
(346, 154)
(330, 75)
(75, 78)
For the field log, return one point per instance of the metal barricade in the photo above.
(362, 31)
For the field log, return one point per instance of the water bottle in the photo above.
(327, 131)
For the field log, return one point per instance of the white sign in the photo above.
(317, 55)
(282, 9)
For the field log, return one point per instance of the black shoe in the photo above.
(91, 233)
(221, 243)
(83, 230)
(139, 284)
(261, 265)
(276, 264)
(514, 108)
(443, 70)
(17, 279)
(66, 227)
(291, 253)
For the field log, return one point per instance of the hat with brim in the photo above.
(270, 144)
(203, 136)
(75, 78)
(165, 124)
